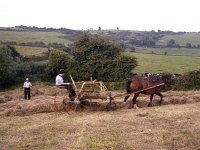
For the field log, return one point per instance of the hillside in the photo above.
(126, 38)
(36, 124)
(25, 37)
(151, 58)
(183, 39)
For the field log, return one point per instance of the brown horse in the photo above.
(142, 85)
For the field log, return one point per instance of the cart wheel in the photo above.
(71, 106)
(111, 106)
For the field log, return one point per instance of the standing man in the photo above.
(27, 89)
(60, 82)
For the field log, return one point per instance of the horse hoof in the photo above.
(135, 106)
(150, 105)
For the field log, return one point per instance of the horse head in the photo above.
(167, 78)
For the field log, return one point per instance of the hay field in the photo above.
(42, 124)
(24, 37)
(31, 51)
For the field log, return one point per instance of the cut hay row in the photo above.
(45, 100)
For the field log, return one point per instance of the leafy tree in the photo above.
(58, 60)
(144, 41)
(188, 45)
(100, 59)
(14, 53)
(189, 81)
(7, 67)
(177, 46)
(171, 43)
(13, 69)
(132, 49)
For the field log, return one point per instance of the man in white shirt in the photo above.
(27, 89)
(59, 79)
(60, 82)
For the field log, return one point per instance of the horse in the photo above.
(143, 85)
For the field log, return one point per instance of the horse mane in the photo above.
(128, 89)
(166, 78)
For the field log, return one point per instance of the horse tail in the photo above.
(128, 88)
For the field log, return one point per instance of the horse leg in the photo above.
(151, 98)
(134, 100)
(71, 92)
(161, 98)
(126, 97)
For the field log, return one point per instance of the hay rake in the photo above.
(88, 90)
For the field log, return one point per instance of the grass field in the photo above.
(30, 51)
(170, 51)
(161, 63)
(183, 39)
(20, 37)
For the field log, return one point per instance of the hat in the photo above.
(26, 79)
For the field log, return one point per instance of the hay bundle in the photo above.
(94, 95)
(36, 91)
(55, 91)
(30, 109)
(6, 98)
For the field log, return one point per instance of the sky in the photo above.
(142, 15)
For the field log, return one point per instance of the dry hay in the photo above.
(170, 97)
(50, 99)
(6, 98)
(42, 101)
(94, 95)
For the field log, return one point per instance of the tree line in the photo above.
(23, 28)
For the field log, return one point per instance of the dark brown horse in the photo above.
(142, 85)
